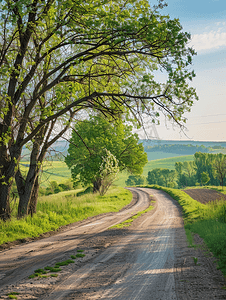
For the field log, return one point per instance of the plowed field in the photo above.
(205, 195)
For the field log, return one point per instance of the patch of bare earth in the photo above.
(205, 195)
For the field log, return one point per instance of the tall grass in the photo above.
(207, 220)
(63, 208)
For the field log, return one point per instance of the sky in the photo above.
(205, 20)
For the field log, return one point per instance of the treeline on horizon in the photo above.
(181, 149)
(206, 168)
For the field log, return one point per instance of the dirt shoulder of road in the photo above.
(196, 273)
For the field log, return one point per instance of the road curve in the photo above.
(152, 273)
(139, 266)
(150, 260)
(21, 261)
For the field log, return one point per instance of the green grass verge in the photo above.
(129, 221)
(63, 208)
(208, 221)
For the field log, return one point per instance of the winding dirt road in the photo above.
(149, 260)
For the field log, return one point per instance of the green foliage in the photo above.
(205, 178)
(186, 173)
(97, 55)
(98, 134)
(60, 209)
(206, 168)
(88, 190)
(108, 171)
(134, 180)
(164, 177)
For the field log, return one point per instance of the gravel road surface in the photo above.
(148, 260)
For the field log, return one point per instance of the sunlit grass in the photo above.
(61, 209)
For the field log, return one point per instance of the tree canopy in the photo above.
(88, 144)
(58, 57)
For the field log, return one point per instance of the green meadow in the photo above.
(51, 171)
(60, 209)
(59, 172)
(165, 162)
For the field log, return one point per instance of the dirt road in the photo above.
(149, 260)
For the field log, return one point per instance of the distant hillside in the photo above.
(155, 149)
(57, 152)
(188, 142)
(177, 148)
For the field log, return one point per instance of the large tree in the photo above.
(88, 144)
(97, 54)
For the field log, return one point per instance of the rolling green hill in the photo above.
(58, 170)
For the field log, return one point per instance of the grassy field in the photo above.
(157, 163)
(161, 155)
(59, 172)
(63, 208)
(52, 171)
(207, 220)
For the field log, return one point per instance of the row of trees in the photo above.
(205, 169)
(177, 148)
(61, 60)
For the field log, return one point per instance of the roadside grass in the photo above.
(207, 220)
(61, 209)
(129, 221)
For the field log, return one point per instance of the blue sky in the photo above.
(206, 21)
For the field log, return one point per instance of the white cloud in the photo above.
(211, 40)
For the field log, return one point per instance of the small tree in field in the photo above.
(88, 145)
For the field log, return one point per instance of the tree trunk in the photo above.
(5, 212)
(34, 198)
(96, 185)
(7, 173)
(25, 189)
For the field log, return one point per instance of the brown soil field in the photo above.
(205, 195)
